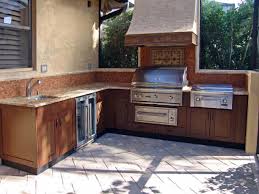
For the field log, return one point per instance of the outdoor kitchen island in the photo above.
(115, 113)
(201, 125)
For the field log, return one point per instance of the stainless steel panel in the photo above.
(212, 100)
(162, 97)
(86, 119)
(173, 117)
(219, 96)
(154, 115)
(222, 88)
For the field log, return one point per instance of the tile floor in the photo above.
(125, 164)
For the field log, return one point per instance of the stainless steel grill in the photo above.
(219, 96)
(158, 85)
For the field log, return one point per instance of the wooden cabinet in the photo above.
(46, 138)
(19, 135)
(199, 122)
(122, 113)
(1, 139)
(121, 116)
(65, 130)
(210, 124)
(117, 111)
(218, 124)
(240, 114)
(36, 136)
(221, 125)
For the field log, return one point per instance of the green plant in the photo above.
(113, 52)
(226, 36)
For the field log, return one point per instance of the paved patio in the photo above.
(126, 164)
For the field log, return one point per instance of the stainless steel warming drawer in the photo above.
(156, 115)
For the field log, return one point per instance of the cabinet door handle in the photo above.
(56, 123)
(60, 123)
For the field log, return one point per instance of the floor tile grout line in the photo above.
(120, 174)
(176, 184)
(85, 172)
(98, 182)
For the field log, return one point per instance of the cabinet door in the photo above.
(109, 109)
(221, 125)
(46, 142)
(1, 135)
(182, 117)
(121, 104)
(46, 126)
(240, 115)
(19, 135)
(121, 111)
(199, 122)
(65, 133)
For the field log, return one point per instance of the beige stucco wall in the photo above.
(67, 35)
(253, 110)
(67, 38)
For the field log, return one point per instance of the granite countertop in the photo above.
(63, 94)
(74, 92)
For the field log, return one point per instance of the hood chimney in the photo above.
(163, 23)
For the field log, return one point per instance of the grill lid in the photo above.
(213, 88)
(160, 77)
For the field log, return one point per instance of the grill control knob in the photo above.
(197, 99)
(224, 101)
(155, 96)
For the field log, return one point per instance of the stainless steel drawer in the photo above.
(155, 115)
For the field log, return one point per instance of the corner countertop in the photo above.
(63, 94)
(74, 92)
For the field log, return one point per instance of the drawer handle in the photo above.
(151, 113)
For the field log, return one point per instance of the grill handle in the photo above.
(151, 113)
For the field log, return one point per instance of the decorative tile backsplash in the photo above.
(169, 56)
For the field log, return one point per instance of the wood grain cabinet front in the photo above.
(33, 137)
(218, 124)
(65, 130)
(46, 128)
(199, 122)
(1, 139)
(221, 127)
(210, 124)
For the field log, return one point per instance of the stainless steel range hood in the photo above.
(163, 23)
